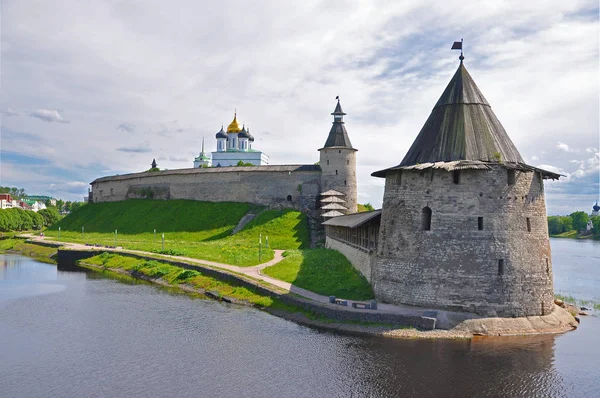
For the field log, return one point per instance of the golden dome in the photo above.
(234, 127)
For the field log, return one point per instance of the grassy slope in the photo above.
(175, 275)
(323, 271)
(194, 229)
(41, 253)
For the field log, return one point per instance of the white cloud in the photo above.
(564, 147)
(48, 115)
(282, 67)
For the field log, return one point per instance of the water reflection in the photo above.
(122, 337)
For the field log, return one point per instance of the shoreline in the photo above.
(314, 314)
(559, 321)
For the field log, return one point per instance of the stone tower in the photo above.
(463, 223)
(338, 161)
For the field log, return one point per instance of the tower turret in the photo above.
(463, 223)
(338, 161)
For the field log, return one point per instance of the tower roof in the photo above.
(221, 133)
(338, 136)
(462, 126)
(233, 127)
(462, 132)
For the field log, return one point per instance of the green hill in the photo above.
(191, 228)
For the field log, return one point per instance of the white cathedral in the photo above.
(233, 146)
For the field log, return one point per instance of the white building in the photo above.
(202, 160)
(235, 145)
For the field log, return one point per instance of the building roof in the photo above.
(338, 136)
(333, 206)
(332, 213)
(221, 133)
(332, 199)
(332, 192)
(353, 220)
(233, 127)
(462, 127)
(243, 133)
(229, 169)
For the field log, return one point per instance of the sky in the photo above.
(89, 89)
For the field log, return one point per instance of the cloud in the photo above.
(10, 112)
(134, 149)
(564, 147)
(48, 115)
(128, 127)
(75, 187)
(389, 63)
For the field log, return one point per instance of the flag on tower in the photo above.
(457, 45)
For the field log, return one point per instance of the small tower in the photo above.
(221, 137)
(232, 133)
(202, 160)
(338, 161)
(244, 138)
(596, 210)
(153, 164)
(463, 223)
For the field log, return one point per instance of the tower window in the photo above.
(547, 267)
(426, 219)
(327, 162)
(289, 198)
(339, 151)
(456, 176)
(348, 161)
(500, 267)
(336, 172)
(480, 223)
(345, 182)
(510, 177)
(528, 224)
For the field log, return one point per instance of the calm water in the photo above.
(66, 334)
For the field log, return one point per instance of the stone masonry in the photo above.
(487, 250)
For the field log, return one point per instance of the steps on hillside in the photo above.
(245, 220)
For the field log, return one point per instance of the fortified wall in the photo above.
(290, 186)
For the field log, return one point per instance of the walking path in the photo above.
(255, 272)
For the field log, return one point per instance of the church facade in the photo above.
(233, 146)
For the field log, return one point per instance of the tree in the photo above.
(59, 204)
(596, 223)
(76, 205)
(579, 220)
(50, 216)
(241, 164)
(67, 206)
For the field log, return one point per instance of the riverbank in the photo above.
(245, 286)
(312, 314)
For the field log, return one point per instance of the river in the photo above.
(81, 334)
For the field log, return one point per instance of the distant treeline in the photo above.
(576, 221)
(17, 219)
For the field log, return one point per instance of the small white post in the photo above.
(163, 241)
(58, 233)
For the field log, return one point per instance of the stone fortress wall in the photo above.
(498, 264)
(290, 186)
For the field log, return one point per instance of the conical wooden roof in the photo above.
(462, 126)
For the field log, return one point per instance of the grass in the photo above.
(579, 303)
(174, 276)
(194, 229)
(41, 253)
(322, 271)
